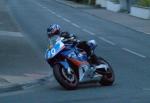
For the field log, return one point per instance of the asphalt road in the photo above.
(127, 51)
(18, 55)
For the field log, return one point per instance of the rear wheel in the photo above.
(67, 80)
(108, 76)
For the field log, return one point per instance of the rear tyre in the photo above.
(68, 81)
(108, 77)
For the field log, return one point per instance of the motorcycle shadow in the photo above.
(82, 86)
(89, 85)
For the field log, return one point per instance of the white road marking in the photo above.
(89, 32)
(107, 41)
(59, 16)
(148, 33)
(77, 26)
(13, 34)
(39, 4)
(67, 20)
(133, 52)
(53, 12)
(145, 32)
(44, 7)
(146, 89)
(49, 10)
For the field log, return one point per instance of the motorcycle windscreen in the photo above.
(55, 49)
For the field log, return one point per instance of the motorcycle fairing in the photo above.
(77, 62)
(54, 50)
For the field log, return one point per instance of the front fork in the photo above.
(66, 66)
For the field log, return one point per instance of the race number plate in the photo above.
(55, 49)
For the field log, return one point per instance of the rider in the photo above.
(88, 47)
(54, 31)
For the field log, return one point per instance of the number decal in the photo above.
(53, 51)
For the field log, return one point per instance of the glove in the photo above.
(65, 35)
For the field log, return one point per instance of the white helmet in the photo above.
(92, 44)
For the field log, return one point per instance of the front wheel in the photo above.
(68, 81)
(108, 76)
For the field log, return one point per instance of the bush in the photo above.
(144, 3)
(116, 1)
(85, 1)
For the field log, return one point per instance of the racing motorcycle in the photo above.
(71, 67)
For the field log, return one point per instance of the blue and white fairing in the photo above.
(74, 55)
(55, 49)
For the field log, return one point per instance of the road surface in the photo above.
(127, 51)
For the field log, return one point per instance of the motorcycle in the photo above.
(71, 67)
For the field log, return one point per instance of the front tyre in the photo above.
(68, 81)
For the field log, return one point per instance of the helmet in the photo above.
(92, 44)
(54, 29)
